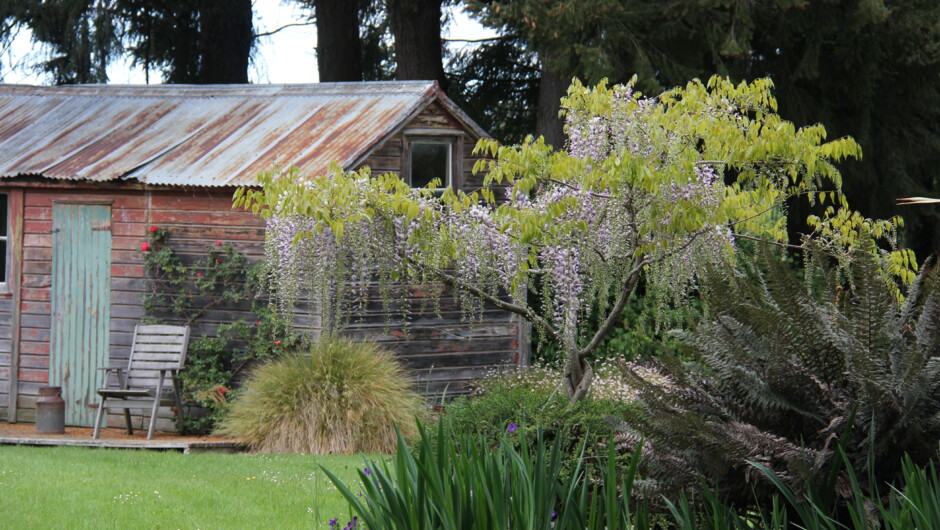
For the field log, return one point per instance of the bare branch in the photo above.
(575, 188)
(285, 26)
(769, 241)
(487, 39)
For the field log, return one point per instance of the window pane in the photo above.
(429, 161)
(3, 261)
(3, 215)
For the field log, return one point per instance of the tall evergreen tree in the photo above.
(865, 68)
(81, 35)
(496, 83)
(198, 41)
(339, 49)
(416, 25)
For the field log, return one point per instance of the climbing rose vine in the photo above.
(661, 187)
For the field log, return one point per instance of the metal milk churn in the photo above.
(50, 411)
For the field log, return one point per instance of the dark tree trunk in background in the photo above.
(552, 88)
(339, 52)
(416, 25)
(225, 39)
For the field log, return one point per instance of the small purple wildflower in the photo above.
(333, 522)
(366, 471)
(512, 427)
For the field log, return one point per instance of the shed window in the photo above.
(4, 237)
(430, 159)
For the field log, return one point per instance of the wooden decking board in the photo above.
(103, 443)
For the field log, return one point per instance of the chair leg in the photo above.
(98, 419)
(156, 404)
(127, 421)
(179, 406)
(153, 417)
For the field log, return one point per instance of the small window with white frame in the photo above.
(430, 158)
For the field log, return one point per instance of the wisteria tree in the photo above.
(657, 187)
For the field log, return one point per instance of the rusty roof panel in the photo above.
(217, 135)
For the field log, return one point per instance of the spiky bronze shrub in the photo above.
(342, 396)
(790, 369)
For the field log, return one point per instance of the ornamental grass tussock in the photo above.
(341, 397)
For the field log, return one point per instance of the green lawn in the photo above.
(70, 487)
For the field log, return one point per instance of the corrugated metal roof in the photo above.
(209, 135)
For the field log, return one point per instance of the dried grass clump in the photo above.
(343, 397)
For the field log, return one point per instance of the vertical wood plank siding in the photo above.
(9, 346)
(80, 305)
(444, 354)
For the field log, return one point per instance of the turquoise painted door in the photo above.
(81, 305)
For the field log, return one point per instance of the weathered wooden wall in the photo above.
(446, 354)
(195, 218)
(10, 298)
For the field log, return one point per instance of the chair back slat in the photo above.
(155, 347)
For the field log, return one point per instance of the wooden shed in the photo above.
(86, 170)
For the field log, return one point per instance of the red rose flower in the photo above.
(144, 247)
(218, 260)
(198, 274)
(277, 343)
(257, 322)
(218, 243)
(153, 229)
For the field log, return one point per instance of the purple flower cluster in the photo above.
(350, 525)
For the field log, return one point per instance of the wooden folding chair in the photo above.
(157, 351)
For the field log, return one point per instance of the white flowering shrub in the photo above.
(609, 381)
(657, 187)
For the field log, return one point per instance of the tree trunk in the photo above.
(225, 39)
(552, 88)
(578, 378)
(339, 52)
(416, 25)
(578, 373)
